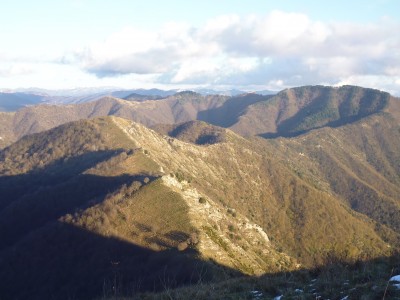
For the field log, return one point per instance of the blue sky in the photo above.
(222, 44)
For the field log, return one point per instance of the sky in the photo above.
(220, 44)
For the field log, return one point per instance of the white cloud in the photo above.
(230, 47)
(64, 76)
(15, 69)
(279, 49)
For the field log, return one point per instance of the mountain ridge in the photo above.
(14, 99)
(284, 114)
(70, 161)
(314, 181)
(298, 110)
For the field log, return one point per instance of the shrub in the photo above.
(179, 177)
(202, 200)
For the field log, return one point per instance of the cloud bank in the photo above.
(273, 51)
(277, 50)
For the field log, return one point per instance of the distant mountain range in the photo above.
(12, 100)
(288, 113)
(130, 197)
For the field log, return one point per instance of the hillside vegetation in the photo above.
(245, 176)
(364, 173)
(181, 107)
(85, 198)
(298, 110)
(6, 133)
(289, 113)
(308, 192)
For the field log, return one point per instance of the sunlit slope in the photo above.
(297, 110)
(89, 199)
(359, 163)
(302, 218)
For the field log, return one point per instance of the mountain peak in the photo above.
(298, 110)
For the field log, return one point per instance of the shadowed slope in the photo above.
(89, 222)
(228, 114)
(79, 223)
(249, 205)
(62, 261)
(335, 280)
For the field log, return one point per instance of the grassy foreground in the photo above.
(359, 280)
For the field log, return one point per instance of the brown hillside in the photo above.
(289, 113)
(6, 133)
(190, 202)
(359, 162)
(246, 177)
(181, 107)
(298, 110)
(91, 186)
